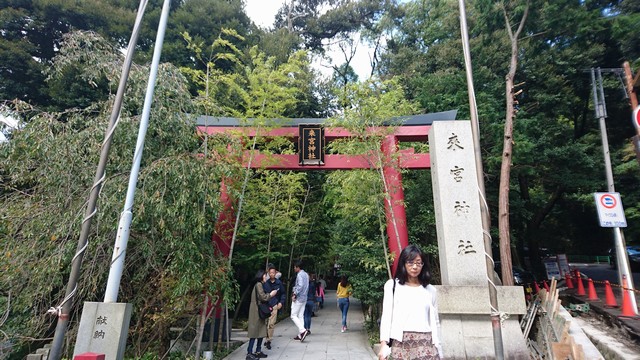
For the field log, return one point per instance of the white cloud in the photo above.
(263, 12)
(6, 125)
(360, 62)
(10, 122)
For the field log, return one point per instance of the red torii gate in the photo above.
(411, 129)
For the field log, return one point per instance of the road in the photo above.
(602, 272)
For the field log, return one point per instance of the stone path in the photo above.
(325, 342)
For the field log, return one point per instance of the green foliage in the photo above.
(307, 19)
(256, 87)
(373, 103)
(261, 88)
(356, 198)
(189, 17)
(46, 169)
(272, 217)
(556, 147)
(32, 33)
(46, 172)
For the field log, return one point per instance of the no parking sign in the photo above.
(610, 211)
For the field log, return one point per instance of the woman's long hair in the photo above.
(258, 278)
(343, 281)
(410, 253)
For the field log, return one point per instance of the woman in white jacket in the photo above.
(410, 311)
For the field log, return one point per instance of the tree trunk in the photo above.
(222, 326)
(203, 320)
(505, 171)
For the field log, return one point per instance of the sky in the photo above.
(8, 123)
(262, 12)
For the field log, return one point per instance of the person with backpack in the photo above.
(257, 327)
(276, 302)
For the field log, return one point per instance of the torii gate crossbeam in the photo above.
(412, 129)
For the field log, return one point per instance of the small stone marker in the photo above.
(103, 330)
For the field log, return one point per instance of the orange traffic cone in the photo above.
(609, 298)
(567, 279)
(580, 286)
(593, 296)
(627, 309)
(544, 283)
(536, 287)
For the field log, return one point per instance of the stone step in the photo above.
(44, 352)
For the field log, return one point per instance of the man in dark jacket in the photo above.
(276, 302)
(311, 301)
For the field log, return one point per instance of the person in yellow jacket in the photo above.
(343, 293)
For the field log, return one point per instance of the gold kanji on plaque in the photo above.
(311, 144)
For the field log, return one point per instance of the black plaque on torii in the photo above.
(311, 144)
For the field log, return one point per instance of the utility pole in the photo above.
(62, 310)
(601, 114)
(122, 237)
(484, 209)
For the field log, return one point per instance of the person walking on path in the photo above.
(276, 302)
(410, 311)
(257, 328)
(308, 308)
(299, 300)
(343, 293)
(322, 287)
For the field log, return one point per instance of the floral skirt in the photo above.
(414, 346)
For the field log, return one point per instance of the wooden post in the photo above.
(633, 100)
(630, 89)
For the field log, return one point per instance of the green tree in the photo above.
(188, 17)
(344, 74)
(45, 176)
(32, 33)
(306, 18)
(357, 198)
(260, 90)
(560, 40)
(273, 221)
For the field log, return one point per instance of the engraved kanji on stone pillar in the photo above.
(457, 204)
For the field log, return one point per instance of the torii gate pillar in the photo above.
(394, 199)
(392, 161)
(396, 217)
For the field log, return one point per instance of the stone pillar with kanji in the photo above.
(463, 298)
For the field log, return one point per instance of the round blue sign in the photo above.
(608, 201)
